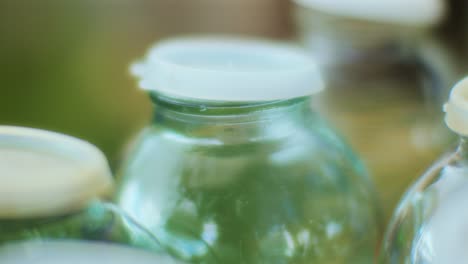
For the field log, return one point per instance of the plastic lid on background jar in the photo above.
(46, 174)
(456, 108)
(404, 12)
(228, 69)
(77, 252)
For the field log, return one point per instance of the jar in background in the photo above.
(387, 79)
(53, 189)
(236, 167)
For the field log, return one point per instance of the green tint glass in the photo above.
(249, 183)
(100, 221)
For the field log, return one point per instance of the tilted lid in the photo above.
(45, 174)
(228, 69)
(75, 252)
(406, 12)
(456, 108)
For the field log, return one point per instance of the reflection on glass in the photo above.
(273, 185)
(430, 224)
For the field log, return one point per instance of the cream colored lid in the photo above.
(46, 174)
(456, 108)
(406, 12)
(228, 69)
(77, 252)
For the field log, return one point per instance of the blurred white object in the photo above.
(246, 70)
(409, 12)
(457, 108)
(47, 174)
(77, 252)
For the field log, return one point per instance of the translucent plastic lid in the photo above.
(456, 109)
(44, 173)
(407, 12)
(228, 69)
(71, 252)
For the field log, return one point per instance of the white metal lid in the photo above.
(45, 174)
(456, 108)
(406, 12)
(228, 69)
(77, 252)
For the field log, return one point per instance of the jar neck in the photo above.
(462, 150)
(231, 122)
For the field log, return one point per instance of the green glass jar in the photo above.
(54, 186)
(430, 224)
(387, 77)
(237, 168)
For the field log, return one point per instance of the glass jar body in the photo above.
(100, 221)
(430, 221)
(259, 183)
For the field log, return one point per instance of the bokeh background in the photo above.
(64, 64)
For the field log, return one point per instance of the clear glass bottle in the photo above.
(52, 187)
(237, 168)
(386, 79)
(430, 224)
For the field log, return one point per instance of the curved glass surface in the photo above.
(429, 225)
(258, 183)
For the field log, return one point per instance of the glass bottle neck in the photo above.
(462, 150)
(231, 122)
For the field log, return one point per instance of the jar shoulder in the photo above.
(434, 205)
(313, 157)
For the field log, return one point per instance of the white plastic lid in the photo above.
(456, 109)
(75, 252)
(228, 69)
(406, 12)
(45, 174)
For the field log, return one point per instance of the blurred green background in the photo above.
(64, 64)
